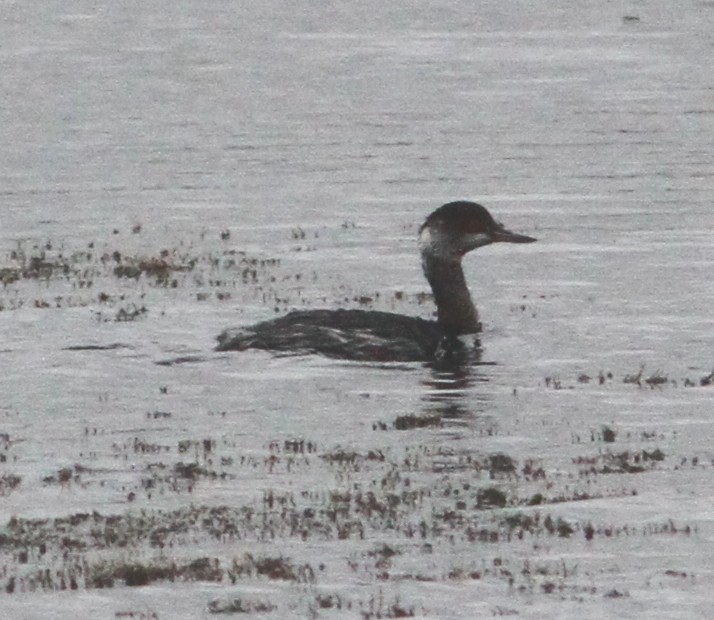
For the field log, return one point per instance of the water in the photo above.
(315, 140)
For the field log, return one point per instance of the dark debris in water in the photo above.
(96, 347)
(182, 359)
(374, 508)
(656, 379)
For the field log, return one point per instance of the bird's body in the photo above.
(367, 335)
(445, 237)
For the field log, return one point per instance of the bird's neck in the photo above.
(455, 311)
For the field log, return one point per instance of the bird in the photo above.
(445, 237)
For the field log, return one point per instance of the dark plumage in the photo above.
(345, 334)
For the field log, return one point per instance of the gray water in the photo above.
(317, 139)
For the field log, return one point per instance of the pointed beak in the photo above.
(501, 234)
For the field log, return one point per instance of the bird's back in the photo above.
(366, 335)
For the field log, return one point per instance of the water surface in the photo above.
(283, 156)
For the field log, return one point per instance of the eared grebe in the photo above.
(445, 237)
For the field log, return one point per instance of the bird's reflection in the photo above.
(449, 390)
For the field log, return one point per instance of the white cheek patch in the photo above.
(436, 243)
(478, 240)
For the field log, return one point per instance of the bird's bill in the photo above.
(510, 237)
